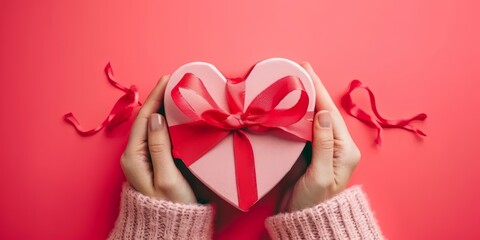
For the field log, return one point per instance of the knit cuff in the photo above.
(345, 216)
(142, 217)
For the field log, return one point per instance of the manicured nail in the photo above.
(155, 122)
(324, 119)
(305, 64)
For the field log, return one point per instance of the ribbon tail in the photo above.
(380, 122)
(123, 108)
(361, 115)
(192, 140)
(405, 124)
(244, 171)
(121, 111)
(78, 127)
(111, 79)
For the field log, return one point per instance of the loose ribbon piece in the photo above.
(380, 122)
(210, 124)
(120, 112)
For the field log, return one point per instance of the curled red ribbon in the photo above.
(120, 112)
(211, 124)
(380, 122)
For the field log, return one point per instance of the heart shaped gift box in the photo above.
(240, 136)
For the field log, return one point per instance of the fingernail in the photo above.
(164, 77)
(324, 119)
(155, 122)
(305, 64)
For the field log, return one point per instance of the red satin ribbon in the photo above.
(210, 124)
(380, 122)
(120, 112)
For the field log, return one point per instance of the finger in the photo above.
(138, 173)
(321, 166)
(325, 102)
(138, 134)
(165, 172)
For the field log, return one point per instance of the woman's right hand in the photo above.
(147, 161)
(334, 154)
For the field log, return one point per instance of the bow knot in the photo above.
(237, 121)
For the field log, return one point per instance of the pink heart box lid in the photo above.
(274, 156)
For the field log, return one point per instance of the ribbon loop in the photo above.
(263, 107)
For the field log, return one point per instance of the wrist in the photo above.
(142, 216)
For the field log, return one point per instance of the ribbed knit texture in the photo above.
(345, 216)
(142, 217)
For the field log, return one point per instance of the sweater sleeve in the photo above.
(345, 216)
(142, 217)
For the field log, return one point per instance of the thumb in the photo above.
(165, 172)
(321, 167)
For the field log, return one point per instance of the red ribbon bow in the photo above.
(211, 124)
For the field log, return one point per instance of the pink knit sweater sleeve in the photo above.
(142, 217)
(345, 216)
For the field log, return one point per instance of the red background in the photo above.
(418, 56)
